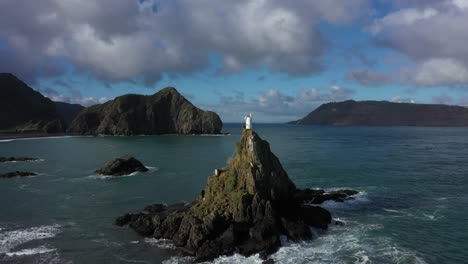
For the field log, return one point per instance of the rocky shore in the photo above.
(245, 208)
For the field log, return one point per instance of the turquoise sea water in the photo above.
(413, 206)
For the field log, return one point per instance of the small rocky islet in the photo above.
(17, 159)
(124, 165)
(245, 208)
(17, 174)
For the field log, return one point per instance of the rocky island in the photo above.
(244, 208)
(165, 112)
(383, 113)
(124, 165)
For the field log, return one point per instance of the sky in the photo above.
(276, 59)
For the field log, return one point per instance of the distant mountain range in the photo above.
(383, 113)
(26, 111)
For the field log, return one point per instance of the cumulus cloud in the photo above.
(75, 98)
(433, 35)
(120, 40)
(273, 102)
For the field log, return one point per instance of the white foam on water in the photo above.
(30, 251)
(433, 216)
(353, 244)
(11, 239)
(358, 199)
(160, 243)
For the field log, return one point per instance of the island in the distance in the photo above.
(165, 112)
(25, 112)
(383, 113)
(245, 208)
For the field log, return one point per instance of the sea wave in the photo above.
(11, 239)
(160, 243)
(353, 244)
(30, 251)
(358, 199)
(433, 215)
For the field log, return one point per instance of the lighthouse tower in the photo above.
(248, 121)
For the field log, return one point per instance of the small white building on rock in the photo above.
(248, 121)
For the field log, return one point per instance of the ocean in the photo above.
(412, 207)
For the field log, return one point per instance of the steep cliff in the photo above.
(24, 110)
(382, 113)
(166, 112)
(244, 208)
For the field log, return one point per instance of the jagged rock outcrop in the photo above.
(383, 113)
(23, 110)
(17, 174)
(124, 165)
(245, 208)
(166, 112)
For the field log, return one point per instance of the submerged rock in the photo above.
(244, 208)
(16, 159)
(122, 166)
(17, 174)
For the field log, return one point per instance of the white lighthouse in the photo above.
(248, 121)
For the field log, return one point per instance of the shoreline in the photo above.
(13, 136)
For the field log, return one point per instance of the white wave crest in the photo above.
(12, 239)
(31, 251)
(160, 243)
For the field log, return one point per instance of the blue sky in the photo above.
(276, 59)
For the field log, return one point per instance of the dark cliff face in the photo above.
(24, 110)
(382, 113)
(166, 112)
(68, 111)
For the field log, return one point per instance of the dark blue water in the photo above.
(413, 206)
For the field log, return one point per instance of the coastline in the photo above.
(6, 136)
(20, 136)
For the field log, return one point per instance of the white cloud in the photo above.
(120, 40)
(433, 36)
(440, 71)
(275, 105)
(398, 99)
